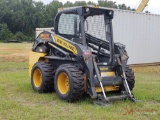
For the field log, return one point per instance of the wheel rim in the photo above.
(37, 78)
(63, 83)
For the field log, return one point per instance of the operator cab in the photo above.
(95, 32)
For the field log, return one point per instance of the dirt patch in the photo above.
(147, 69)
(154, 102)
(20, 57)
(17, 55)
(3, 48)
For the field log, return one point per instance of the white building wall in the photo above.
(140, 33)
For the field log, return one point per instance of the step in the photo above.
(118, 97)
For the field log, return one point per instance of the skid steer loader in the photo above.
(80, 56)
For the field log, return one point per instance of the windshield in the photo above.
(68, 25)
(97, 26)
(97, 31)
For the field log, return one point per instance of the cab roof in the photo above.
(87, 11)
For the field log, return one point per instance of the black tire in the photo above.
(42, 77)
(130, 78)
(74, 78)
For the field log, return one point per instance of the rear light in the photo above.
(87, 54)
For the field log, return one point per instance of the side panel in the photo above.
(33, 58)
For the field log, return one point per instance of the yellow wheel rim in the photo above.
(37, 78)
(63, 83)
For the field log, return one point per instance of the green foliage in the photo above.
(23, 16)
(22, 37)
(68, 4)
(5, 33)
(105, 3)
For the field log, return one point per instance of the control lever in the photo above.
(99, 49)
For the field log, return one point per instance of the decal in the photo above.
(65, 44)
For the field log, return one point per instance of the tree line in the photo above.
(19, 18)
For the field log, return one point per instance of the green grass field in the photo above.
(19, 102)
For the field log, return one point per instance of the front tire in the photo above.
(42, 79)
(69, 82)
(130, 78)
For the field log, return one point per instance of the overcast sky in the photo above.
(153, 5)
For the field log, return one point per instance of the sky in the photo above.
(153, 5)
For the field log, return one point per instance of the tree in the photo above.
(80, 3)
(51, 11)
(106, 3)
(5, 34)
(68, 4)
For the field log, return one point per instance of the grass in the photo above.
(19, 102)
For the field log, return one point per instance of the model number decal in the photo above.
(65, 44)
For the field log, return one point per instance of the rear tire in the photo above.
(42, 77)
(130, 78)
(69, 82)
